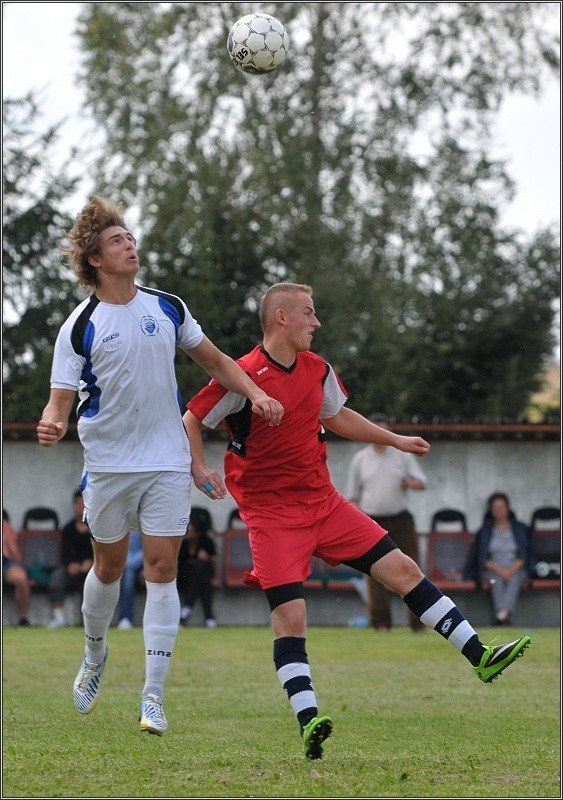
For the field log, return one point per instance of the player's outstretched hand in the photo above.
(414, 444)
(268, 408)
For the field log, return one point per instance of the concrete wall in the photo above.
(325, 608)
(460, 474)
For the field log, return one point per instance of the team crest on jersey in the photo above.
(149, 326)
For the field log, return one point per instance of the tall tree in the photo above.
(38, 291)
(362, 166)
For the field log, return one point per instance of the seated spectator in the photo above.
(13, 570)
(131, 573)
(77, 558)
(196, 567)
(501, 556)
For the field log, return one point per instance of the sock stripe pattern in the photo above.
(294, 674)
(437, 611)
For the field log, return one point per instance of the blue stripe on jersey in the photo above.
(91, 405)
(180, 400)
(78, 329)
(171, 312)
(170, 304)
(173, 308)
(82, 336)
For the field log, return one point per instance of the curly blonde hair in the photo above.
(84, 235)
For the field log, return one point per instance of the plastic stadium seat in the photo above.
(448, 519)
(40, 518)
(234, 521)
(546, 518)
(446, 556)
(237, 558)
(40, 549)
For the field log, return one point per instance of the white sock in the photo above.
(160, 628)
(59, 614)
(98, 606)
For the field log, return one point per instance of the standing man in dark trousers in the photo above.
(378, 483)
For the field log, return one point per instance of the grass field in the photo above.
(410, 719)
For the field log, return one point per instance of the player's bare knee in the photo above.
(409, 573)
(107, 571)
(161, 572)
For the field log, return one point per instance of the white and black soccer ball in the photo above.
(257, 43)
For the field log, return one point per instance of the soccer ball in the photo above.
(257, 43)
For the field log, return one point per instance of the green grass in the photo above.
(410, 719)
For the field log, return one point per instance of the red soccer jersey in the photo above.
(284, 464)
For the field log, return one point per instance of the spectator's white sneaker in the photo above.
(185, 614)
(124, 624)
(210, 623)
(56, 623)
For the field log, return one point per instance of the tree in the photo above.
(362, 166)
(38, 292)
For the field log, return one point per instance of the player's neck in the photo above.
(115, 292)
(281, 352)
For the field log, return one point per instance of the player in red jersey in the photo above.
(281, 484)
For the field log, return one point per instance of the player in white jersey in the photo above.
(117, 351)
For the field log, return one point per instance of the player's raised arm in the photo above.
(228, 373)
(351, 425)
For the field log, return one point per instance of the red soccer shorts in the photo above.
(283, 538)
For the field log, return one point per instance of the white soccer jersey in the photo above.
(120, 359)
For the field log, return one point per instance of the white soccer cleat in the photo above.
(86, 686)
(151, 715)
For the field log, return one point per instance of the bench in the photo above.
(339, 578)
(446, 555)
(547, 546)
(447, 552)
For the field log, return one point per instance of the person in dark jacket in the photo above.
(196, 566)
(501, 556)
(77, 557)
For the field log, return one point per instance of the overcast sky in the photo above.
(39, 53)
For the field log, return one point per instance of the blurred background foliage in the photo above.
(362, 167)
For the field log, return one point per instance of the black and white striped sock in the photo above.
(437, 611)
(294, 674)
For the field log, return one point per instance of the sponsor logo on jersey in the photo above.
(115, 344)
(149, 326)
(260, 371)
